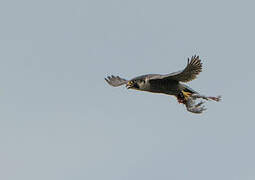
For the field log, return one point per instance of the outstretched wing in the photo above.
(115, 81)
(193, 68)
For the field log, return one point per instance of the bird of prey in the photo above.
(170, 84)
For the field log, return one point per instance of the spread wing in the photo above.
(193, 68)
(115, 81)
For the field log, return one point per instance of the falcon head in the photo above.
(132, 84)
(136, 83)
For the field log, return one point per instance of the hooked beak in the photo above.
(129, 85)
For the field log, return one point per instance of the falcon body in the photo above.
(170, 84)
(150, 83)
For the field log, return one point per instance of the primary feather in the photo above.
(115, 81)
(192, 69)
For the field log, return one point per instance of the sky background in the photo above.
(59, 119)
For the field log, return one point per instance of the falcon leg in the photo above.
(183, 96)
(186, 95)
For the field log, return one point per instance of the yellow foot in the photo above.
(186, 95)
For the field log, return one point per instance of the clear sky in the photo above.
(60, 120)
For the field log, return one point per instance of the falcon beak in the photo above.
(129, 84)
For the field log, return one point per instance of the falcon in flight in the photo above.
(170, 84)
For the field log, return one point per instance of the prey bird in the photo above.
(170, 84)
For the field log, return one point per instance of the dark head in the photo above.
(136, 83)
(132, 84)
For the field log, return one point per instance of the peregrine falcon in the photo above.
(170, 84)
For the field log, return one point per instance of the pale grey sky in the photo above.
(60, 120)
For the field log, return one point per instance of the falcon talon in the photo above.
(170, 84)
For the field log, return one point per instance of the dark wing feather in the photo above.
(193, 68)
(115, 81)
